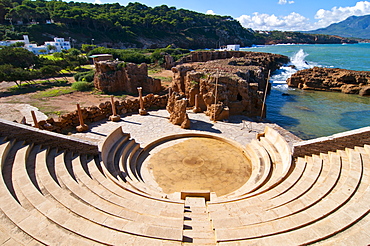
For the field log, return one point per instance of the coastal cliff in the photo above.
(332, 79)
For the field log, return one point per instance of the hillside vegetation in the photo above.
(134, 25)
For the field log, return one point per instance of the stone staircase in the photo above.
(53, 194)
(198, 229)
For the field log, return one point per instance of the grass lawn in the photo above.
(53, 92)
(51, 57)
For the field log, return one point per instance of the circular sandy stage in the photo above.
(197, 163)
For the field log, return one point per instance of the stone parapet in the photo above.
(340, 141)
(12, 130)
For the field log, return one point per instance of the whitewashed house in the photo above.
(59, 44)
(25, 40)
(235, 47)
(230, 47)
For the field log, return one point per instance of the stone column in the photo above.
(82, 127)
(114, 117)
(142, 110)
(34, 119)
(196, 108)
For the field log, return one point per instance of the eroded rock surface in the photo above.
(241, 80)
(332, 79)
(176, 106)
(114, 76)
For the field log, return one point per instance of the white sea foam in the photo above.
(297, 62)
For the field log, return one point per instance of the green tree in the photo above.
(51, 47)
(18, 57)
(88, 47)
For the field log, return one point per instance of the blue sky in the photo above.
(270, 14)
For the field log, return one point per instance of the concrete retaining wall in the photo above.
(30, 134)
(349, 139)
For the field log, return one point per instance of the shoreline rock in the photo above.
(241, 80)
(332, 79)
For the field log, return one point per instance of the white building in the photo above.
(230, 47)
(235, 47)
(25, 40)
(59, 44)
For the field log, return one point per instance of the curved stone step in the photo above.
(79, 204)
(295, 200)
(112, 205)
(110, 161)
(10, 233)
(245, 202)
(260, 202)
(133, 200)
(30, 220)
(261, 166)
(333, 208)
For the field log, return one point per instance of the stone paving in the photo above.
(145, 129)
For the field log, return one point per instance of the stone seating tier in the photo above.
(53, 195)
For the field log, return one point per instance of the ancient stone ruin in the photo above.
(176, 106)
(189, 188)
(241, 82)
(67, 122)
(116, 76)
(332, 79)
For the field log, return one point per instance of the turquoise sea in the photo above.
(312, 114)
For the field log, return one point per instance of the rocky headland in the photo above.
(240, 77)
(332, 79)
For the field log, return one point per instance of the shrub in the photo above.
(82, 86)
(85, 76)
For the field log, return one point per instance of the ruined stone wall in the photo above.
(91, 114)
(239, 88)
(332, 79)
(117, 76)
(31, 134)
(340, 141)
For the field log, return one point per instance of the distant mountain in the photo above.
(353, 27)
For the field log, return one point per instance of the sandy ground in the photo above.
(14, 107)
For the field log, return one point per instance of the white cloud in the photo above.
(296, 22)
(337, 14)
(98, 2)
(291, 22)
(210, 12)
(285, 2)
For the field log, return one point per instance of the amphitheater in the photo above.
(143, 181)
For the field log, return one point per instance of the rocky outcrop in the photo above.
(176, 106)
(241, 81)
(266, 60)
(117, 76)
(332, 79)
